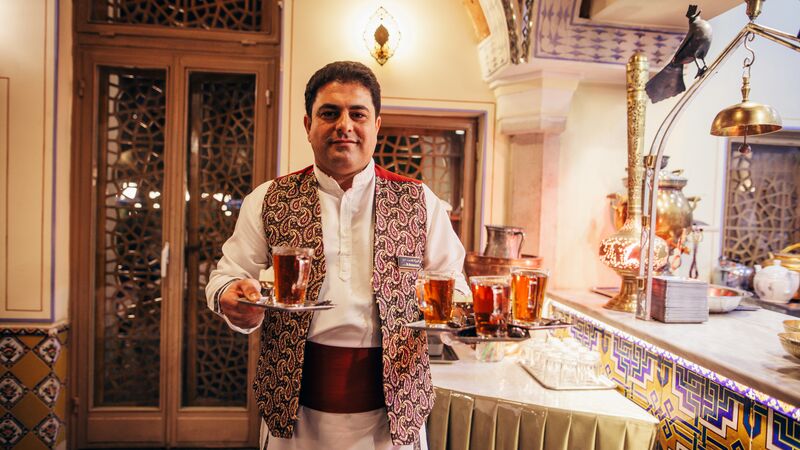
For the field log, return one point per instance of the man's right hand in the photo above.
(240, 314)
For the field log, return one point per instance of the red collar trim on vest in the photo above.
(380, 172)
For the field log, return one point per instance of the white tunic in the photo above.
(347, 224)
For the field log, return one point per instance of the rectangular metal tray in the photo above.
(605, 383)
(268, 303)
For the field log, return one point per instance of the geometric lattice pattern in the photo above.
(762, 214)
(694, 411)
(129, 192)
(234, 15)
(221, 174)
(434, 157)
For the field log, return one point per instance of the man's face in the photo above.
(342, 129)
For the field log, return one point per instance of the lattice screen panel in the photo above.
(220, 175)
(130, 182)
(434, 157)
(762, 212)
(232, 15)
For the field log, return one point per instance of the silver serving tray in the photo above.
(484, 339)
(268, 303)
(544, 324)
(422, 326)
(604, 383)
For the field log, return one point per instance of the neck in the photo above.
(345, 181)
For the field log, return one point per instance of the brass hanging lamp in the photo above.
(746, 118)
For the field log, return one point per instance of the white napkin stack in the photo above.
(679, 300)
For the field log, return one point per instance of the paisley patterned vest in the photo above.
(292, 217)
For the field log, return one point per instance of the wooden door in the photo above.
(167, 145)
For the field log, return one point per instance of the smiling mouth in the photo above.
(343, 141)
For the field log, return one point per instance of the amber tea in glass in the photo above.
(292, 267)
(435, 296)
(490, 296)
(527, 294)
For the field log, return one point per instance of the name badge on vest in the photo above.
(409, 263)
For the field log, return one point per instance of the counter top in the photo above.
(742, 346)
(508, 381)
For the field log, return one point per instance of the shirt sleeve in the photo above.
(443, 250)
(244, 254)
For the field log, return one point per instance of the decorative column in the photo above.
(532, 111)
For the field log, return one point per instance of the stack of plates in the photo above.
(679, 300)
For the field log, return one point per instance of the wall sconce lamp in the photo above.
(382, 35)
(743, 119)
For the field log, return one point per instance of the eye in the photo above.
(357, 115)
(328, 114)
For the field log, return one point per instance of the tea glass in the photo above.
(527, 293)
(490, 296)
(292, 268)
(435, 296)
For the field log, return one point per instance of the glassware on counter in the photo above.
(563, 364)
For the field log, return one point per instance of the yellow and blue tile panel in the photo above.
(697, 409)
(33, 370)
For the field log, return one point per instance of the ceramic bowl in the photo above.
(791, 343)
(722, 299)
(791, 326)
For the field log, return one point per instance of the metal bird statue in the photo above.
(669, 81)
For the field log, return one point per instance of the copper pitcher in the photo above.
(503, 242)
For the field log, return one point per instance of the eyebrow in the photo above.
(332, 106)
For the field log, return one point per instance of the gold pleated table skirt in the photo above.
(464, 421)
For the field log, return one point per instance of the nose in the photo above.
(345, 124)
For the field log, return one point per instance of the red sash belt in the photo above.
(341, 379)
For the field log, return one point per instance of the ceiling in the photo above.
(653, 13)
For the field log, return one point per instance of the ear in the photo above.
(307, 125)
(378, 124)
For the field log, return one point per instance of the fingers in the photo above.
(242, 315)
(250, 289)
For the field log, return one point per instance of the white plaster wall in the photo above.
(435, 68)
(593, 153)
(34, 147)
(62, 169)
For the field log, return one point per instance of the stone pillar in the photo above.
(532, 110)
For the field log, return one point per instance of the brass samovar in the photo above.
(675, 210)
(622, 250)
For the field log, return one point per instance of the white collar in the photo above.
(360, 180)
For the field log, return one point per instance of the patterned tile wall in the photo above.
(33, 370)
(562, 34)
(694, 411)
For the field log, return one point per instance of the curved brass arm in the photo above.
(653, 159)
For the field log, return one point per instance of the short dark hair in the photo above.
(343, 72)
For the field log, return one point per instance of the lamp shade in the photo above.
(746, 118)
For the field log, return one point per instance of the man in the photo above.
(352, 377)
